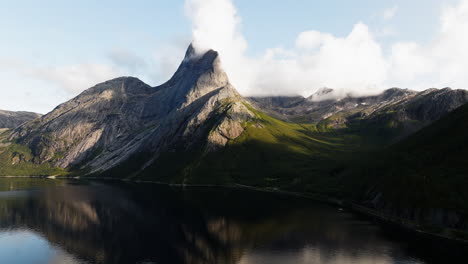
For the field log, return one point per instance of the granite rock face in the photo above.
(112, 121)
(9, 119)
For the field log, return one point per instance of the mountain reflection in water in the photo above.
(96, 222)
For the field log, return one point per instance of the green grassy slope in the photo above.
(17, 160)
(383, 128)
(277, 154)
(270, 153)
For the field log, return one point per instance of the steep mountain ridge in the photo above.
(10, 119)
(108, 123)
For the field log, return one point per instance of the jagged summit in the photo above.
(208, 60)
(116, 120)
(195, 77)
(191, 53)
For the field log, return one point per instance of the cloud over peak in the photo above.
(354, 64)
(315, 62)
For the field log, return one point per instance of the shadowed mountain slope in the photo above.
(422, 178)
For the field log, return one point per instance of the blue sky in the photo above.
(49, 48)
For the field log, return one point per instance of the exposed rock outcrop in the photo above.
(115, 120)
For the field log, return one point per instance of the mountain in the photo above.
(388, 116)
(310, 110)
(196, 129)
(9, 119)
(127, 120)
(421, 178)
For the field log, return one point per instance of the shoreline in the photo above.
(356, 208)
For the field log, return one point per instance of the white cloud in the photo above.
(352, 64)
(389, 13)
(216, 25)
(450, 49)
(312, 39)
(409, 60)
(441, 63)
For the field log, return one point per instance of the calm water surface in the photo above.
(57, 221)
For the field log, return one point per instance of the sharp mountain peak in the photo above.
(195, 70)
(115, 120)
(126, 121)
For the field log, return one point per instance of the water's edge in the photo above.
(399, 223)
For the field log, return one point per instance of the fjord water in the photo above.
(57, 221)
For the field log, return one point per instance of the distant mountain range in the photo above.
(394, 108)
(9, 119)
(197, 129)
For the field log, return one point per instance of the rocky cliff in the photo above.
(113, 121)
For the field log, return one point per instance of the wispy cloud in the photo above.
(127, 60)
(74, 78)
(71, 78)
(389, 13)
